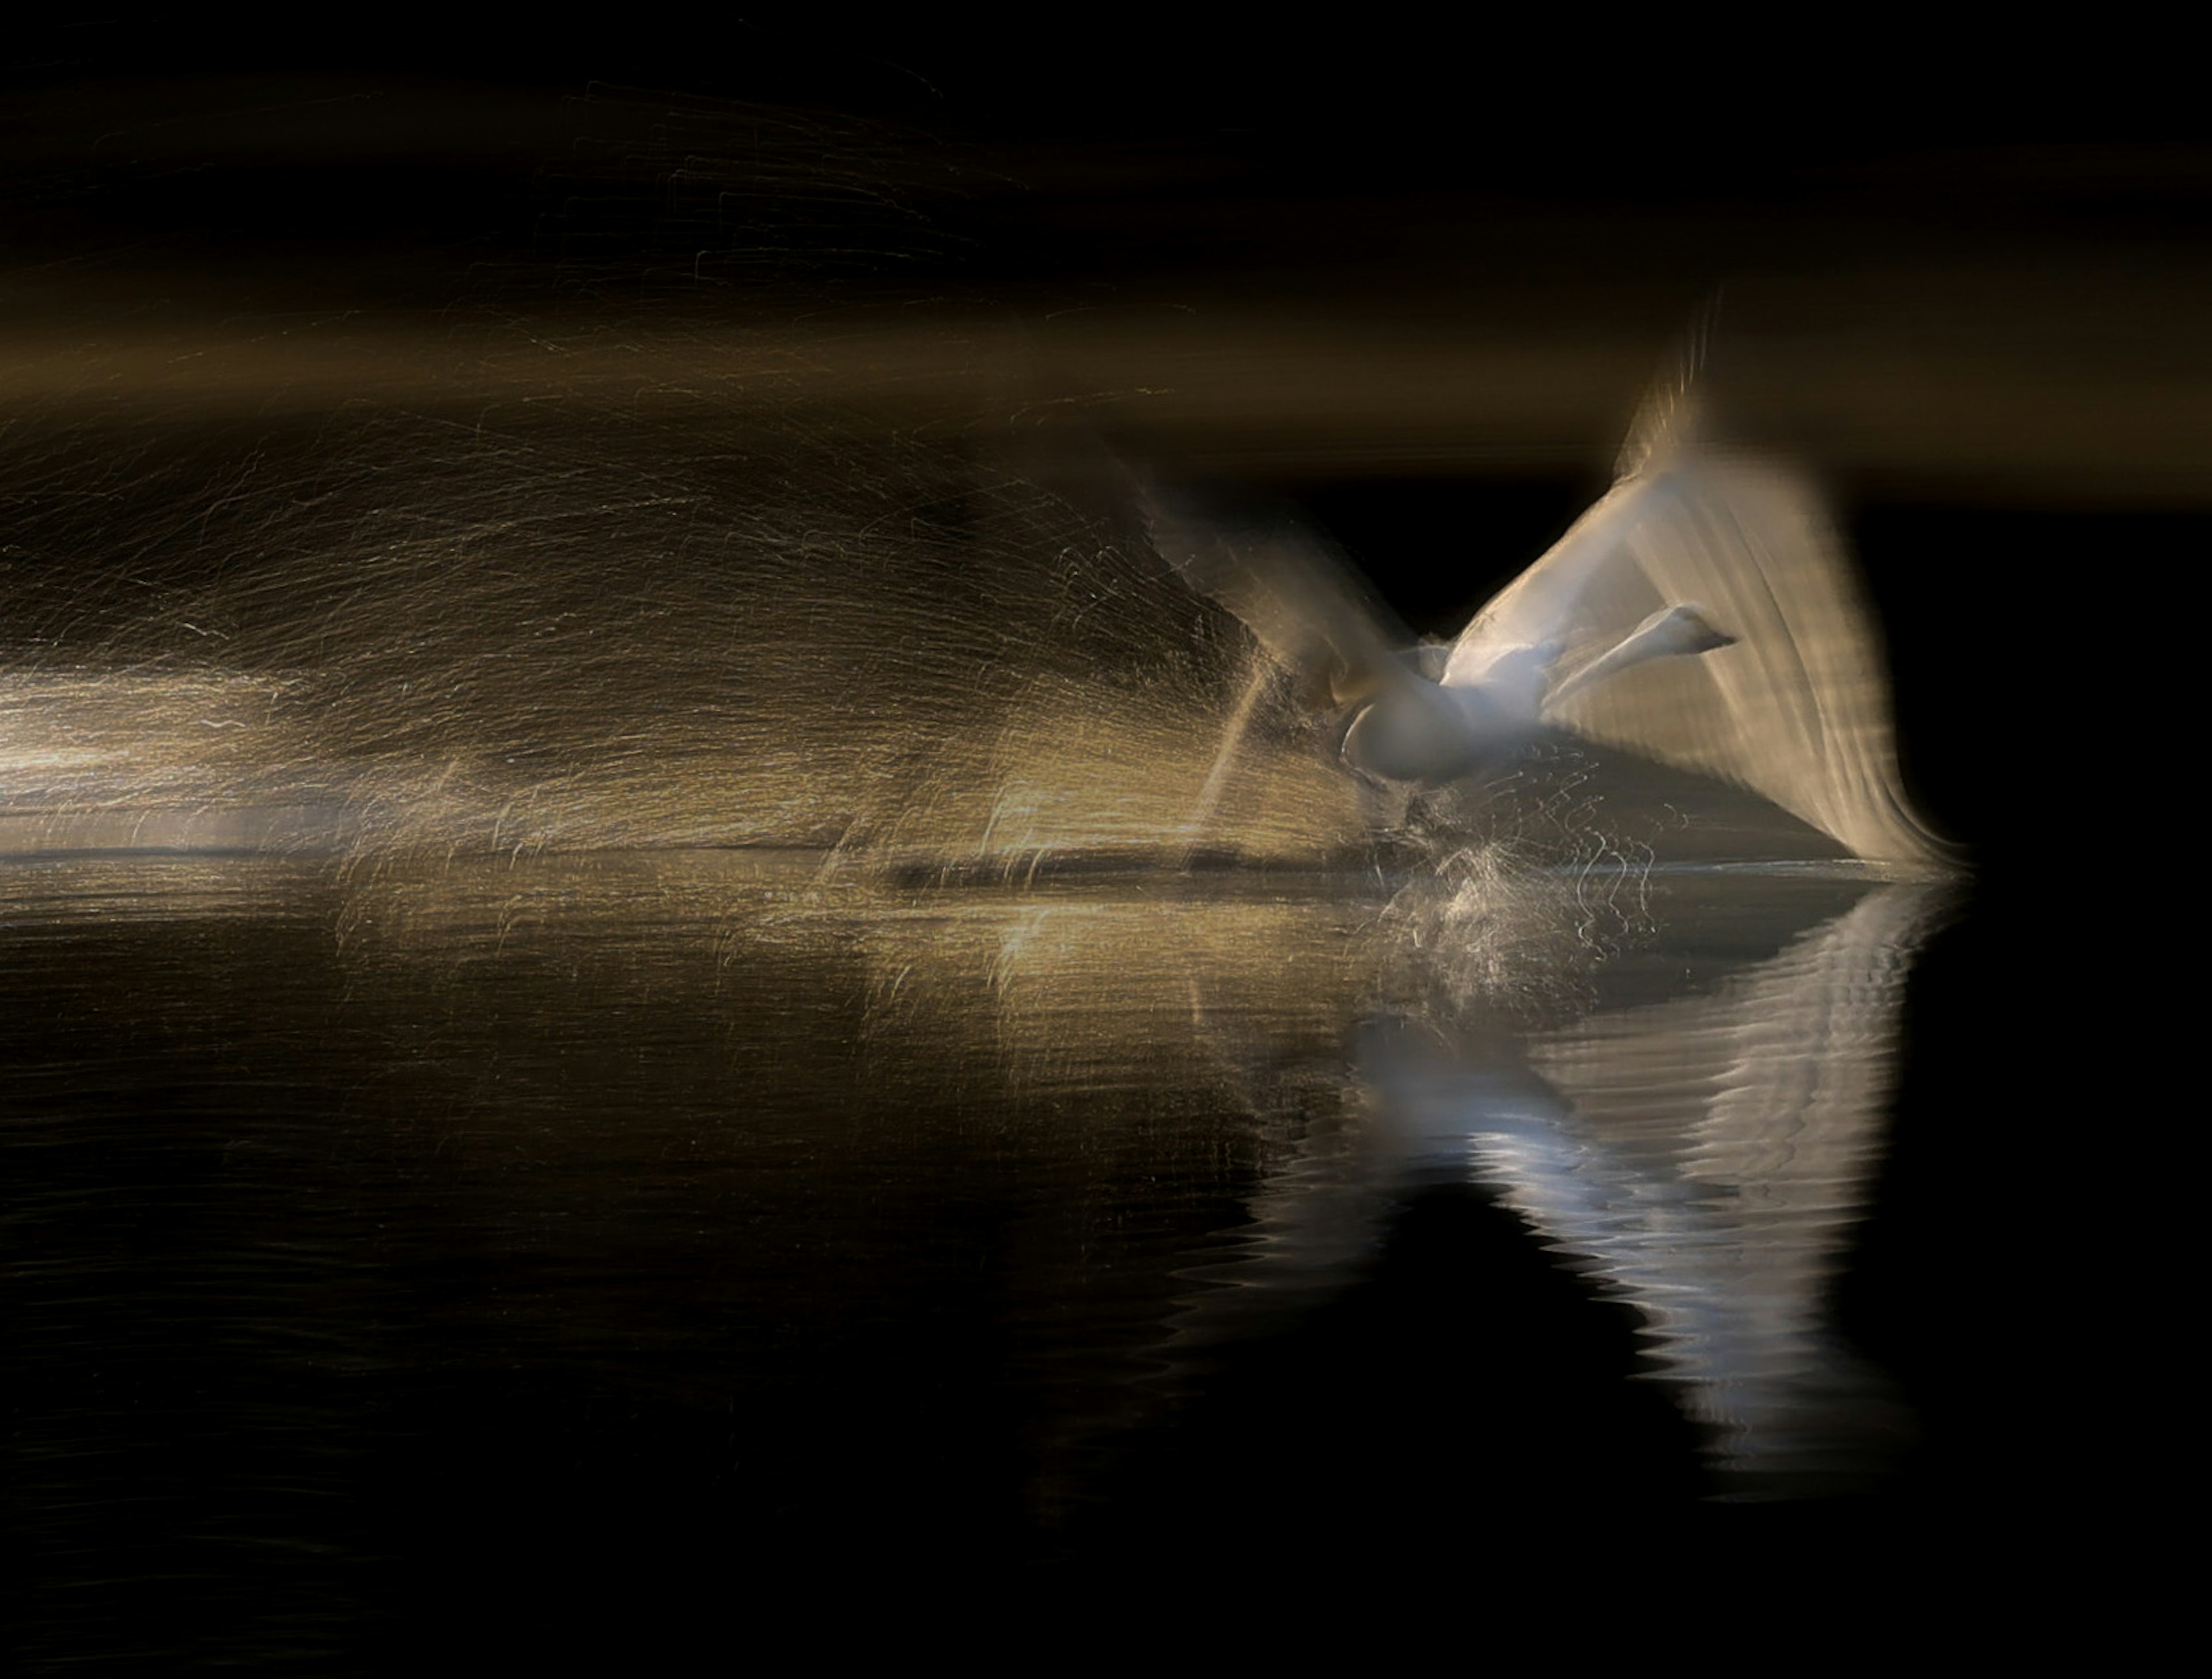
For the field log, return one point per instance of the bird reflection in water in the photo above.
(1701, 1151)
(1693, 1120)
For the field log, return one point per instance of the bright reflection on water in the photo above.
(711, 1121)
(1707, 1149)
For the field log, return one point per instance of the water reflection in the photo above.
(1682, 1092)
(1708, 1155)
(1694, 1122)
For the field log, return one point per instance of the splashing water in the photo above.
(401, 638)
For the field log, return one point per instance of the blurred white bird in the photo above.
(1701, 614)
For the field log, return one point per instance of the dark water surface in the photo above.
(384, 1243)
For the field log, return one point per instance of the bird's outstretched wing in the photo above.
(1797, 709)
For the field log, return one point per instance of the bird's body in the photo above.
(1412, 728)
(1701, 614)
